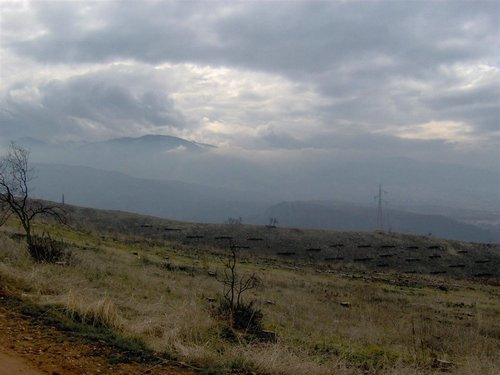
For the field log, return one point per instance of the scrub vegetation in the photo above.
(315, 318)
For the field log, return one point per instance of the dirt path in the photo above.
(30, 348)
(12, 364)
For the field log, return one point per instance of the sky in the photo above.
(259, 79)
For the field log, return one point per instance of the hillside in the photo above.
(322, 249)
(148, 292)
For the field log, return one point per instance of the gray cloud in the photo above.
(95, 104)
(152, 32)
(377, 65)
(297, 37)
(477, 106)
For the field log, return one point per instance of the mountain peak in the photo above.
(147, 137)
(154, 141)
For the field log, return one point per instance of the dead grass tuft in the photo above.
(100, 313)
(189, 323)
(277, 359)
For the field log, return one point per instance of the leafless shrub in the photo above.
(15, 179)
(239, 314)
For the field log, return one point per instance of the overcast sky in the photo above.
(402, 78)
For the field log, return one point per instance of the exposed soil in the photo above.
(12, 364)
(29, 347)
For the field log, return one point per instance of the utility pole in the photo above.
(380, 215)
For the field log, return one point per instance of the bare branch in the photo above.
(15, 179)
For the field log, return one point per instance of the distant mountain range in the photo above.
(352, 217)
(270, 176)
(186, 180)
(151, 143)
(96, 188)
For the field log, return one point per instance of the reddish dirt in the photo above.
(29, 348)
(12, 364)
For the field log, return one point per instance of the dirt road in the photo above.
(28, 347)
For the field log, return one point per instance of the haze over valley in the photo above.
(182, 180)
(210, 111)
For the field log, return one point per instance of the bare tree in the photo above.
(15, 179)
(239, 314)
(234, 221)
(235, 285)
(272, 222)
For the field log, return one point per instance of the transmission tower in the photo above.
(380, 199)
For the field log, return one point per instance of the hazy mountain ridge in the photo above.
(151, 143)
(113, 190)
(200, 203)
(409, 182)
(185, 180)
(343, 216)
(146, 143)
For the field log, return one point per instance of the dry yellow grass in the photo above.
(399, 325)
(100, 312)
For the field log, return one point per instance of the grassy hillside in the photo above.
(152, 279)
(322, 249)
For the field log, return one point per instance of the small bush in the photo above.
(45, 249)
(244, 316)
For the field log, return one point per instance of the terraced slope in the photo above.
(325, 249)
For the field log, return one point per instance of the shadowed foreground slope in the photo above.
(156, 281)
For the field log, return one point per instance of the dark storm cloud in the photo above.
(278, 36)
(144, 31)
(362, 55)
(94, 103)
(92, 98)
